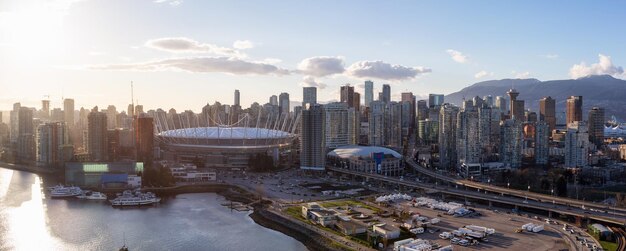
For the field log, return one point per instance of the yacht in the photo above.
(137, 198)
(65, 192)
(93, 196)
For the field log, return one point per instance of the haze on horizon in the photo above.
(183, 54)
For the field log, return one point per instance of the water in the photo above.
(30, 221)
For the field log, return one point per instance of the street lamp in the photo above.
(527, 193)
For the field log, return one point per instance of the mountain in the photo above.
(598, 90)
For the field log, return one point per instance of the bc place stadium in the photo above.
(226, 145)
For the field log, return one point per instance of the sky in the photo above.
(184, 54)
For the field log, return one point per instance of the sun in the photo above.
(32, 31)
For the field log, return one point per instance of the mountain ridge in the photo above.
(597, 90)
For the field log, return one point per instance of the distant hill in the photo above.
(601, 90)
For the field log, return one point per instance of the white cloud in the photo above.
(170, 2)
(603, 67)
(385, 71)
(521, 74)
(457, 56)
(272, 60)
(482, 74)
(309, 81)
(243, 44)
(187, 45)
(201, 65)
(321, 66)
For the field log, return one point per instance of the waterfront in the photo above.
(30, 221)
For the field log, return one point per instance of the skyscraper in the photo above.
(422, 110)
(45, 108)
(376, 121)
(511, 143)
(26, 135)
(283, 100)
(309, 96)
(273, 100)
(542, 149)
(340, 125)
(596, 126)
(356, 102)
(369, 92)
(312, 138)
(574, 109)
(409, 97)
(547, 112)
(435, 100)
(468, 137)
(111, 117)
(576, 145)
(144, 131)
(51, 139)
(97, 135)
(15, 122)
(447, 136)
(346, 94)
(68, 112)
(501, 104)
(237, 100)
(385, 95)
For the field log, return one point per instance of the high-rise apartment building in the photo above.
(283, 100)
(468, 136)
(376, 119)
(448, 115)
(273, 100)
(237, 100)
(574, 109)
(356, 102)
(547, 112)
(68, 112)
(97, 135)
(312, 138)
(26, 147)
(347, 95)
(422, 110)
(511, 137)
(435, 100)
(501, 104)
(369, 92)
(542, 149)
(340, 125)
(576, 145)
(309, 96)
(45, 109)
(596, 126)
(385, 95)
(52, 138)
(111, 117)
(144, 140)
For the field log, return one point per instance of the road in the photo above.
(513, 192)
(495, 197)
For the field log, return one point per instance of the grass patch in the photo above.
(610, 246)
(296, 212)
(351, 203)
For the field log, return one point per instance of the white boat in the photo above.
(137, 198)
(93, 196)
(65, 192)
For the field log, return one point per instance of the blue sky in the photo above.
(181, 54)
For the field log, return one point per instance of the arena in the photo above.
(222, 147)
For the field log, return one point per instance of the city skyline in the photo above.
(90, 51)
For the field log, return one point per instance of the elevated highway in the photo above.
(601, 216)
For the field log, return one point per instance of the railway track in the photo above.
(621, 238)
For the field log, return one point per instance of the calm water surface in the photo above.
(31, 221)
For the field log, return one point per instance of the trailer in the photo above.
(537, 228)
(485, 230)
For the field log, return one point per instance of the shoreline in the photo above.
(261, 215)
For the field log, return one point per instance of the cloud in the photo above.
(170, 2)
(201, 65)
(385, 71)
(483, 73)
(309, 81)
(603, 67)
(321, 66)
(521, 74)
(187, 45)
(243, 44)
(457, 56)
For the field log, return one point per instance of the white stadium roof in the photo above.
(225, 133)
(361, 151)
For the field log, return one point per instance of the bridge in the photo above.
(550, 205)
